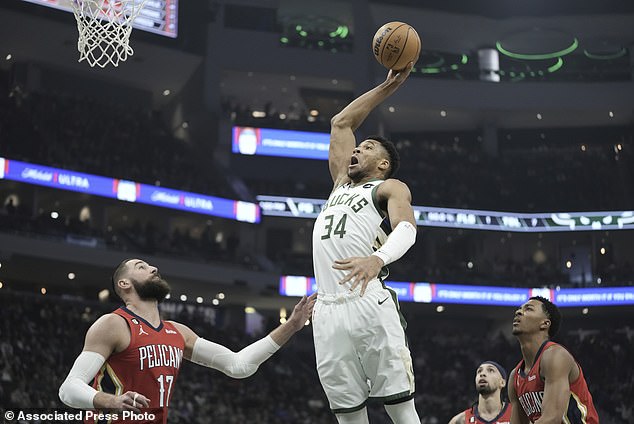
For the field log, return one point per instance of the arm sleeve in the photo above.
(75, 391)
(399, 241)
(234, 364)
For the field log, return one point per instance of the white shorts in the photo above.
(361, 349)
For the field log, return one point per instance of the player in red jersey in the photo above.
(490, 380)
(547, 386)
(133, 357)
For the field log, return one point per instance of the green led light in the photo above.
(430, 70)
(454, 67)
(344, 31)
(436, 64)
(303, 33)
(543, 56)
(610, 56)
(320, 43)
(556, 66)
(283, 40)
(298, 28)
(540, 73)
(464, 59)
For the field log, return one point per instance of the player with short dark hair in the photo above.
(490, 382)
(133, 357)
(548, 385)
(366, 224)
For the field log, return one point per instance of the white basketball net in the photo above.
(104, 29)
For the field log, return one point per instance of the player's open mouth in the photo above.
(482, 381)
(354, 161)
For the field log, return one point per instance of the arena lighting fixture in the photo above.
(183, 298)
(167, 296)
(71, 275)
(54, 215)
(249, 310)
(258, 114)
(1, 285)
(314, 112)
(440, 308)
(391, 109)
(584, 311)
(602, 250)
(166, 92)
(538, 56)
(215, 302)
(199, 299)
(568, 264)
(43, 290)
(556, 66)
(8, 56)
(443, 113)
(611, 114)
(607, 56)
(220, 296)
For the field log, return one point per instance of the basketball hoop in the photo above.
(104, 29)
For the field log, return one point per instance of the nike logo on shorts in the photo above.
(382, 301)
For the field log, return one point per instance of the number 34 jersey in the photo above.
(149, 366)
(350, 224)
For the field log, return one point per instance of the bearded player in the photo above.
(490, 380)
(133, 357)
(547, 386)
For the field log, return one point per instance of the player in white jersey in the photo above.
(367, 223)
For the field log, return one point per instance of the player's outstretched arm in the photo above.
(458, 418)
(105, 336)
(403, 236)
(556, 365)
(245, 363)
(343, 124)
(517, 413)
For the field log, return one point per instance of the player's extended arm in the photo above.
(517, 413)
(555, 367)
(343, 124)
(458, 418)
(102, 338)
(245, 363)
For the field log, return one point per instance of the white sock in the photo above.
(357, 417)
(403, 413)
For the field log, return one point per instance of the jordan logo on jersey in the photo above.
(142, 331)
(532, 402)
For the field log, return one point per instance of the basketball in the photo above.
(396, 44)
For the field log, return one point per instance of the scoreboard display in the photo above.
(157, 16)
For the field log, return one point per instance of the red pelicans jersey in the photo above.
(530, 392)
(471, 416)
(149, 366)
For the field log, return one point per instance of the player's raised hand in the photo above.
(401, 75)
(302, 312)
(362, 270)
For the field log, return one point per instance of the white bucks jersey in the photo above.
(350, 224)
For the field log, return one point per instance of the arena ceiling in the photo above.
(603, 27)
